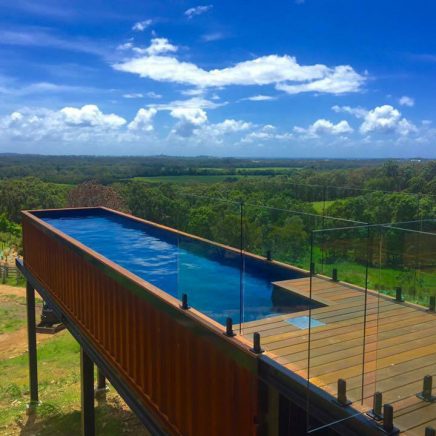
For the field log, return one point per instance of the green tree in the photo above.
(29, 193)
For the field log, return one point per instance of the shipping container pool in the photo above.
(220, 281)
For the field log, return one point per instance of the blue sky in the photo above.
(296, 78)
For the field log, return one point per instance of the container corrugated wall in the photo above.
(194, 379)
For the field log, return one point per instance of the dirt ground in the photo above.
(15, 343)
(12, 290)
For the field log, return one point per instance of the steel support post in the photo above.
(87, 393)
(31, 338)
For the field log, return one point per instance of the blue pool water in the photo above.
(210, 276)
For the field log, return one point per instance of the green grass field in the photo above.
(319, 205)
(12, 315)
(416, 285)
(191, 179)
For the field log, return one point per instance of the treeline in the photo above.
(158, 200)
(107, 169)
(391, 176)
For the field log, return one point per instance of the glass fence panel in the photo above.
(210, 258)
(276, 256)
(406, 343)
(337, 323)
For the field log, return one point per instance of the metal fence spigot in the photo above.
(377, 412)
(229, 328)
(185, 305)
(427, 388)
(342, 393)
(399, 294)
(430, 431)
(432, 304)
(312, 268)
(256, 344)
(388, 418)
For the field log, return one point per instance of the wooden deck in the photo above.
(387, 347)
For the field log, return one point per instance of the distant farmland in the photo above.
(319, 205)
(194, 179)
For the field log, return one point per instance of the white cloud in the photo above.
(338, 80)
(197, 10)
(133, 95)
(125, 46)
(152, 94)
(381, 119)
(91, 115)
(40, 37)
(73, 125)
(143, 120)
(282, 71)
(12, 88)
(325, 127)
(210, 133)
(358, 112)
(267, 133)
(190, 119)
(193, 103)
(193, 92)
(140, 26)
(160, 45)
(406, 101)
(260, 97)
(386, 119)
(405, 127)
(230, 126)
(193, 120)
(213, 36)
(192, 115)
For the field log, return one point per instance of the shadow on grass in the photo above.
(110, 419)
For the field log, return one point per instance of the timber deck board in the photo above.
(381, 346)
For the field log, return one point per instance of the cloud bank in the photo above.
(284, 72)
